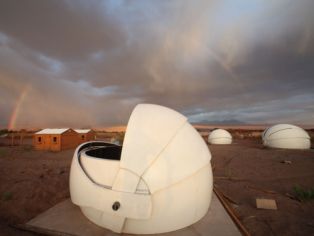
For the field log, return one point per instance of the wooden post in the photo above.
(12, 139)
(22, 134)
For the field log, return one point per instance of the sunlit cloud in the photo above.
(229, 61)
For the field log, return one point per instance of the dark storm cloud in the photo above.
(60, 29)
(211, 60)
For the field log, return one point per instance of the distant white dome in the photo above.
(220, 136)
(159, 181)
(286, 136)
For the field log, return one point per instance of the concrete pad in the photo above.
(263, 203)
(66, 218)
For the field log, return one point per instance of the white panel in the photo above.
(290, 143)
(181, 158)
(220, 141)
(177, 206)
(126, 181)
(204, 191)
(150, 129)
(101, 171)
(85, 193)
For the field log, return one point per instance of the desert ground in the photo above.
(32, 181)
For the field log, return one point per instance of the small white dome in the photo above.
(160, 181)
(220, 136)
(286, 136)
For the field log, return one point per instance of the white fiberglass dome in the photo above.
(159, 181)
(220, 136)
(286, 136)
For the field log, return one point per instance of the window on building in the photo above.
(83, 137)
(54, 139)
(39, 139)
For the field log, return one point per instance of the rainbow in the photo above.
(17, 108)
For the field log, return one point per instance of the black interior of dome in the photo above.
(108, 152)
(96, 144)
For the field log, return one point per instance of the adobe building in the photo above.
(55, 139)
(85, 135)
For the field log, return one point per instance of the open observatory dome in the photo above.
(286, 136)
(159, 181)
(220, 136)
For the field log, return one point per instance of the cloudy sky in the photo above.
(88, 63)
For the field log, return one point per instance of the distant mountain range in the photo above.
(222, 122)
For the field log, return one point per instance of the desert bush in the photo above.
(6, 196)
(27, 148)
(303, 194)
(3, 152)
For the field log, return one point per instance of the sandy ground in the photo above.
(30, 183)
(246, 170)
(33, 181)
